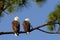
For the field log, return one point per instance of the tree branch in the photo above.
(44, 25)
(1, 33)
(47, 32)
(10, 4)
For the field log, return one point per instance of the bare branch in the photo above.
(47, 32)
(1, 33)
(43, 25)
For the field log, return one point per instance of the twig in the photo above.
(47, 31)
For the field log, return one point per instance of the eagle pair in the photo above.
(16, 26)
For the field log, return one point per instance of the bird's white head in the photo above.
(16, 18)
(27, 19)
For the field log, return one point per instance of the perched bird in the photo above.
(26, 25)
(16, 26)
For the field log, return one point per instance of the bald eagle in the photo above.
(16, 26)
(26, 25)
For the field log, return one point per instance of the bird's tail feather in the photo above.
(28, 33)
(16, 34)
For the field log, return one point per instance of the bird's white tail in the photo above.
(28, 32)
(16, 34)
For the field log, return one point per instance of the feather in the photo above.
(28, 33)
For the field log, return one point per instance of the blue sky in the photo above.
(37, 16)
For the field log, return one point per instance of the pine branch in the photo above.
(5, 7)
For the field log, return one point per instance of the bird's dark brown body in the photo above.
(26, 26)
(16, 27)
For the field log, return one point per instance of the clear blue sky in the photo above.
(37, 16)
